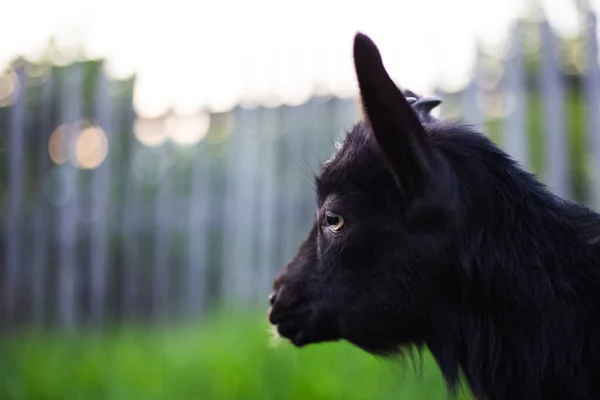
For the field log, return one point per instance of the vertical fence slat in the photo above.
(286, 206)
(297, 182)
(130, 227)
(100, 203)
(197, 231)
(555, 143)
(162, 232)
(473, 113)
(308, 133)
(71, 98)
(592, 101)
(230, 218)
(41, 219)
(268, 224)
(13, 228)
(240, 261)
(515, 91)
(345, 117)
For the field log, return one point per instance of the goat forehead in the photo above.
(351, 150)
(353, 140)
(347, 174)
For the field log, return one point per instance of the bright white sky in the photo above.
(191, 54)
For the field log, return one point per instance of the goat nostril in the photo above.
(272, 297)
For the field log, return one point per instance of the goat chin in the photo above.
(275, 339)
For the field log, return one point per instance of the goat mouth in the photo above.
(293, 332)
(279, 317)
(301, 327)
(297, 326)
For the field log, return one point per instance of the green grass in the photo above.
(228, 357)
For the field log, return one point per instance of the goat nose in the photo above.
(272, 297)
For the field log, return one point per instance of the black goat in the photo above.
(428, 234)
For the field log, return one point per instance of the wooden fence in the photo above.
(108, 219)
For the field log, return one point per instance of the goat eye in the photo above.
(334, 222)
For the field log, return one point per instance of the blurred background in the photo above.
(155, 175)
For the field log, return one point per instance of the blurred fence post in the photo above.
(162, 232)
(197, 231)
(473, 114)
(300, 185)
(100, 197)
(71, 99)
(551, 84)
(130, 227)
(592, 102)
(515, 135)
(42, 222)
(309, 131)
(263, 208)
(228, 291)
(240, 254)
(268, 223)
(13, 229)
(288, 184)
(344, 118)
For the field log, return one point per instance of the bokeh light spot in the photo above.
(9, 84)
(150, 131)
(58, 145)
(91, 148)
(187, 129)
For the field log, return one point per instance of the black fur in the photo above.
(446, 243)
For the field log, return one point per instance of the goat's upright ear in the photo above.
(394, 124)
